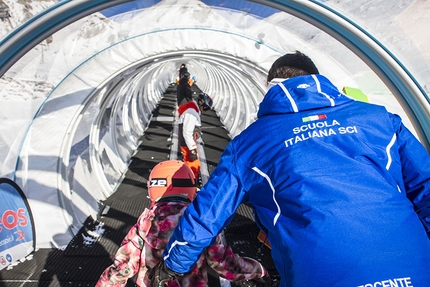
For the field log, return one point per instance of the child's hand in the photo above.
(193, 155)
(160, 275)
(257, 282)
(263, 282)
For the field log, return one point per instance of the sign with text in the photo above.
(16, 224)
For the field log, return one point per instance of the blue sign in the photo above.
(17, 238)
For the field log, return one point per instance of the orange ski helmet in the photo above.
(171, 179)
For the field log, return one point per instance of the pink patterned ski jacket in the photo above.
(144, 244)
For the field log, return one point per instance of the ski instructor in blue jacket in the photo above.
(342, 188)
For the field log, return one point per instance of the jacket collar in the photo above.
(190, 105)
(300, 94)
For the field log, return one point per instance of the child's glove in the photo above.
(263, 282)
(257, 282)
(160, 275)
(193, 154)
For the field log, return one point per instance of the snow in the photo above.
(20, 99)
(22, 11)
(384, 18)
(93, 235)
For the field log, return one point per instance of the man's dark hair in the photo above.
(292, 65)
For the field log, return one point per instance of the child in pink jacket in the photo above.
(171, 188)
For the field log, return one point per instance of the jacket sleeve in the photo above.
(208, 214)
(415, 162)
(130, 256)
(189, 124)
(230, 266)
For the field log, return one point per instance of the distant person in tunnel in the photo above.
(184, 91)
(341, 188)
(171, 188)
(182, 69)
(189, 129)
(181, 73)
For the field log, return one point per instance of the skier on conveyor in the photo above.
(189, 129)
(171, 188)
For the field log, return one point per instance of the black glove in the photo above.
(193, 154)
(257, 282)
(160, 275)
(263, 282)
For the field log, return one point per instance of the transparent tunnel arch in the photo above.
(99, 102)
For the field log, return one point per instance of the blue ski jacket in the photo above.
(341, 187)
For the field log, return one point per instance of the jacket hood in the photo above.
(300, 94)
(190, 105)
(163, 218)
